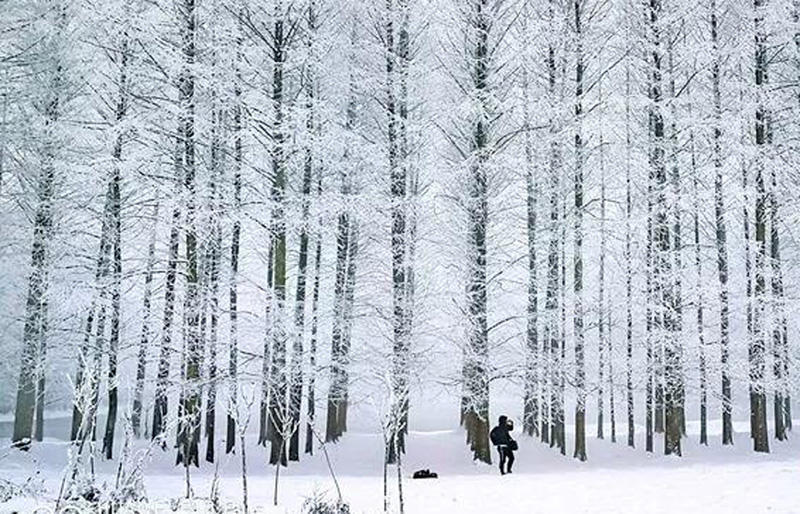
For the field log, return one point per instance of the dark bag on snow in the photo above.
(513, 446)
(425, 473)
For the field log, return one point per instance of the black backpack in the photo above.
(493, 436)
(425, 473)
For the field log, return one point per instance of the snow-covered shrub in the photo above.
(30, 488)
(320, 504)
(8, 491)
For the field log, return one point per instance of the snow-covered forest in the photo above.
(241, 236)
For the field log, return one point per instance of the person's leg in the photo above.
(502, 452)
(510, 457)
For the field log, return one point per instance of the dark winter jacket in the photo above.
(500, 435)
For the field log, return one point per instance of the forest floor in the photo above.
(615, 479)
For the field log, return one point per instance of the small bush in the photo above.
(320, 504)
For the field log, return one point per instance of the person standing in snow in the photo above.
(501, 437)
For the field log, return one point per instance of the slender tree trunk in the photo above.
(562, 357)
(476, 372)
(115, 224)
(758, 400)
(397, 61)
(748, 243)
(602, 343)
(160, 405)
(116, 292)
(346, 244)
(605, 310)
(670, 252)
(84, 379)
(397, 191)
(214, 256)
(550, 342)
(312, 397)
(296, 365)
(337, 394)
(628, 258)
(267, 365)
(666, 322)
(676, 348)
(748, 273)
(236, 235)
(412, 191)
(698, 262)
(721, 232)
(144, 340)
(189, 422)
(278, 375)
(580, 373)
(611, 403)
(650, 315)
(41, 376)
(311, 414)
(531, 401)
(778, 316)
(34, 331)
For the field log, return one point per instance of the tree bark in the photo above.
(144, 340)
(214, 257)
(531, 401)
(296, 365)
(580, 373)
(34, 331)
(346, 245)
(236, 235)
(189, 421)
(698, 263)
(721, 232)
(475, 371)
(312, 397)
(628, 263)
(757, 351)
(779, 353)
(278, 415)
(160, 404)
(115, 223)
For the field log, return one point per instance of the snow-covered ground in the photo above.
(616, 479)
